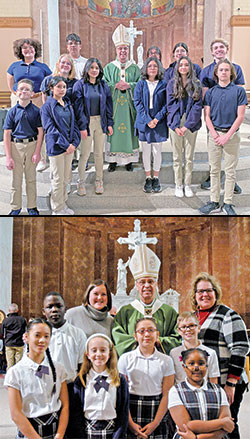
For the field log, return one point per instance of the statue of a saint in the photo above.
(140, 56)
(122, 276)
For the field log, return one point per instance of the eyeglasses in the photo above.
(146, 281)
(194, 366)
(188, 327)
(149, 330)
(208, 291)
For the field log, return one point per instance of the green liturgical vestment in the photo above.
(122, 146)
(124, 325)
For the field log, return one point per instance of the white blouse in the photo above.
(99, 405)
(36, 392)
(145, 374)
(151, 86)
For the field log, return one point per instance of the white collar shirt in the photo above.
(175, 400)
(145, 374)
(99, 405)
(36, 393)
(67, 346)
(79, 64)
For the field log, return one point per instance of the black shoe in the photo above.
(148, 185)
(237, 189)
(112, 167)
(14, 212)
(228, 210)
(33, 211)
(206, 184)
(129, 167)
(156, 186)
(74, 164)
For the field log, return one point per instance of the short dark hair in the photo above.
(185, 354)
(184, 45)
(73, 37)
(26, 81)
(55, 80)
(18, 44)
(156, 48)
(160, 73)
(53, 293)
(91, 286)
(88, 65)
(151, 319)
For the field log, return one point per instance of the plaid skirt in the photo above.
(99, 429)
(143, 410)
(46, 426)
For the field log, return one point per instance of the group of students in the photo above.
(165, 101)
(109, 399)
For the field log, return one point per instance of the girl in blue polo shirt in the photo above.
(225, 106)
(62, 138)
(179, 50)
(93, 107)
(150, 124)
(184, 106)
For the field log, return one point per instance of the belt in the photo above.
(29, 139)
(222, 130)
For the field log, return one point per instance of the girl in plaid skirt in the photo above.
(150, 375)
(101, 399)
(199, 408)
(37, 388)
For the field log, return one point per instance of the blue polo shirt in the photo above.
(70, 84)
(224, 103)
(64, 115)
(36, 72)
(23, 121)
(208, 71)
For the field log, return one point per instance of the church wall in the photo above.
(52, 254)
(240, 39)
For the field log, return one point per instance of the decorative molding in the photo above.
(18, 22)
(240, 20)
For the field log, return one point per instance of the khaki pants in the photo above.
(231, 153)
(98, 136)
(13, 355)
(178, 144)
(38, 102)
(22, 155)
(60, 167)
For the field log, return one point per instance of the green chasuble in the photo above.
(124, 325)
(123, 144)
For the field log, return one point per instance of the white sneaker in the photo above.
(179, 191)
(188, 192)
(65, 211)
(42, 165)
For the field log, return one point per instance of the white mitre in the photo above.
(144, 262)
(120, 36)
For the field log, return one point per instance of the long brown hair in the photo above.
(111, 366)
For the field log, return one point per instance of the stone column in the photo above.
(217, 14)
(6, 243)
(53, 32)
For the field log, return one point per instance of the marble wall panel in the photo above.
(66, 254)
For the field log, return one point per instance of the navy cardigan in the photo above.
(175, 109)
(56, 136)
(159, 110)
(122, 409)
(81, 103)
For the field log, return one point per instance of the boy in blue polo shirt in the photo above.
(23, 136)
(224, 107)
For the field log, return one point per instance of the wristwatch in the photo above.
(230, 384)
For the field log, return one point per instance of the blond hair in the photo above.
(215, 285)
(57, 72)
(219, 40)
(187, 315)
(111, 366)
